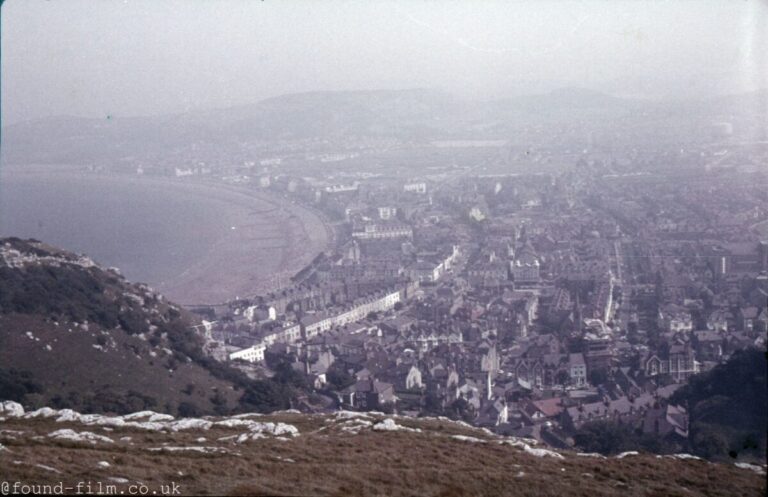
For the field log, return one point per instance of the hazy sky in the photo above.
(137, 57)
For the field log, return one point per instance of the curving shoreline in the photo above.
(270, 240)
(230, 272)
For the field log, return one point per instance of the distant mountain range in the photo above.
(408, 115)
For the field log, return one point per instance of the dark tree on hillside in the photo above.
(433, 405)
(265, 396)
(338, 377)
(605, 437)
(728, 406)
(461, 409)
(188, 410)
(287, 375)
(14, 384)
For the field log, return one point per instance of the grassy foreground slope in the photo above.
(288, 453)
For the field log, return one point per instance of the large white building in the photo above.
(342, 188)
(387, 212)
(382, 231)
(316, 324)
(260, 313)
(290, 333)
(432, 271)
(415, 188)
(254, 353)
(525, 270)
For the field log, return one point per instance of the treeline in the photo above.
(612, 437)
(728, 407)
(15, 384)
(728, 415)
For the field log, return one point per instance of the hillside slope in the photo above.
(289, 453)
(411, 115)
(75, 335)
(729, 407)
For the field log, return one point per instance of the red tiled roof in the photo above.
(550, 407)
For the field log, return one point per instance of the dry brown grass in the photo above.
(328, 462)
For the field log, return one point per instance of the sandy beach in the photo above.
(271, 241)
(246, 241)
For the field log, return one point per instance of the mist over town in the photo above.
(261, 248)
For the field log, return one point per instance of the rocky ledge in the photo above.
(343, 453)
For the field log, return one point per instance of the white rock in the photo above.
(686, 456)
(43, 412)
(354, 425)
(101, 420)
(202, 450)
(11, 434)
(627, 454)
(528, 441)
(245, 437)
(85, 436)
(276, 429)
(513, 442)
(117, 479)
(390, 425)
(190, 424)
(11, 409)
(541, 452)
(350, 414)
(68, 415)
(246, 415)
(752, 467)
(465, 438)
(160, 417)
(235, 423)
(47, 468)
(591, 454)
(139, 415)
(103, 464)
